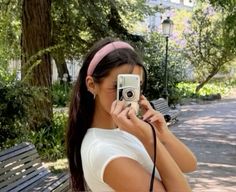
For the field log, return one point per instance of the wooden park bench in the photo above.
(21, 169)
(162, 106)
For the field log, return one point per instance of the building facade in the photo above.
(154, 21)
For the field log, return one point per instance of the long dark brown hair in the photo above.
(81, 109)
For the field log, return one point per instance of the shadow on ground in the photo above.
(210, 132)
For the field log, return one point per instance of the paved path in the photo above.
(210, 131)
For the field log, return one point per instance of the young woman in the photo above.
(109, 148)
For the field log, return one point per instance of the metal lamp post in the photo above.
(167, 28)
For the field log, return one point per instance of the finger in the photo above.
(120, 105)
(123, 114)
(123, 118)
(144, 103)
(148, 115)
(140, 126)
(143, 97)
(154, 118)
(132, 115)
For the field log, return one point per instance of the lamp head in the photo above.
(167, 27)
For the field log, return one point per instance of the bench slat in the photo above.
(61, 185)
(32, 181)
(5, 156)
(21, 169)
(27, 180)
(42, 183)
(14, 148)
(15, 178)
(64, 187)
(16, 161)
(49, 183)
(9, 167)
(162, 106)
(54, 182)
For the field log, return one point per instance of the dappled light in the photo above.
(207, 178)
(210, 132)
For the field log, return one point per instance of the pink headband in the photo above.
(105, 51)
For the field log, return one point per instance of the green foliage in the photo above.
(61, 93)
(9, 31)
(15, 99)
(17, 117)
(50, 141)
(207, 48)
(154, 55)
(33, 61)
(228, 8)
(187, 90)
(78, 24)
(6, 77)
(17, 111)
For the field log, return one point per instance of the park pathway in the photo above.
(209, 130)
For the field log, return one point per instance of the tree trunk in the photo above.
(36, 37)
(212, 74)
(61, 66)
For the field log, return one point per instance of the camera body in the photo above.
(128, 89)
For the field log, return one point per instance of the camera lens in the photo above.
(130, 94)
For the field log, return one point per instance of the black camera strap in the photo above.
(154, 158)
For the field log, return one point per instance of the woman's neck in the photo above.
(102, 119)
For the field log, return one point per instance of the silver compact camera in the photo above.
(128, 89)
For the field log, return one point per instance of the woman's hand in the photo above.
(125, 118)
(152, 116)
(184, 158)
(172, 157)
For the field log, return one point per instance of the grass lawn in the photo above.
(60, 165)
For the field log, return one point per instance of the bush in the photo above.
(187, 90)
(50, 141)
(14, 101)
(154, 58)
(61, 93)
(17, 118)
(17, 112)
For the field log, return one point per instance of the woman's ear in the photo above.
(91, 86)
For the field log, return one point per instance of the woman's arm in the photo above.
(171, 175)
(125, 174)
(184, 158)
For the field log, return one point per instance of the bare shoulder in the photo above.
(126, 174)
